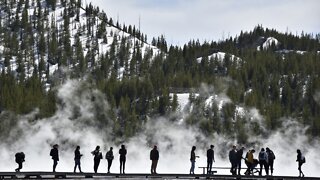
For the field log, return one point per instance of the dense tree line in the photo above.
(140, 81)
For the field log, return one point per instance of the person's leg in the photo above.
(121, 163)
(152, 167)
(55, 163)
(95, 166)
(271, 167)
(234, 172)
(239, 167)
(261, 164)
(266, 167)
(124, 165)
(79, 165)
(192, 167)
(75, 165)
(155, 166)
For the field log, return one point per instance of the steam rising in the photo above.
(74, 124)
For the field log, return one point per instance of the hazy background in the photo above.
(174, 140)
(182, 20)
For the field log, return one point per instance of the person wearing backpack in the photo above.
(97, 157)
(301, 160)
(271, 158)
(19, 160)
(263, 161)
(109, 157)
(54, 153)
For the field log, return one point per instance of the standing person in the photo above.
(210, 158)
(271, 158)
(77, 157)
(300, 159)
(19, 159)
(109, 157)
(239, 158)
(263, 161)
(123, 153)
(97, 157)
(154, 157)
(54, 153)
(193, 159)
(233, 160)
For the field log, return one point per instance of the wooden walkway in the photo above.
(69, 175)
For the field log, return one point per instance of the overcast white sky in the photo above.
(182, 20)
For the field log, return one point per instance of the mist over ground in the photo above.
(73, 124)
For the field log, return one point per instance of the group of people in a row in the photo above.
(266, 159)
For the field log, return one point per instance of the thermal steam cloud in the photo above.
(73, 124)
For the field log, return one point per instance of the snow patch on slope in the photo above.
(268, 43)
(221, 56)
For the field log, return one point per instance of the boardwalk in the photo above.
(68, 175)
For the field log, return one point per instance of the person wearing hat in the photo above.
(154, 157)
(54, 153)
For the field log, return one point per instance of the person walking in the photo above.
(96, 159)
(54, 153)
(233, 160)
(301, 160)
(20, 158)
(77, 157)
(154, 157)
(271, 158)
(239, 159)
(123, 153)
(193, 159)
(210, 159)
(263, 161)
(109, 157)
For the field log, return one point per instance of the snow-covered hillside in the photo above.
(56, 23)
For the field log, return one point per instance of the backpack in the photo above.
(19, 157)
(303, 159)
(261, 156)
(271, 155)
(109, 155)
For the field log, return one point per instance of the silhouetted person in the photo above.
(77, 157)
(193, 159)
(96, 159)
(154, 157)
(54, 153)
(263, 161)
(210, 159)
(19, 159)
(300, 159)
(271, 158)
(233, 160)
(239, 159)
(123, 153)
(109, 157)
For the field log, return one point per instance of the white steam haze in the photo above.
(174, 139)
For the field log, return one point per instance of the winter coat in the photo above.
(54, 153)
(154, 154)
(210, 155)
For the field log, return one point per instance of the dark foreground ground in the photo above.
(68, 175)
